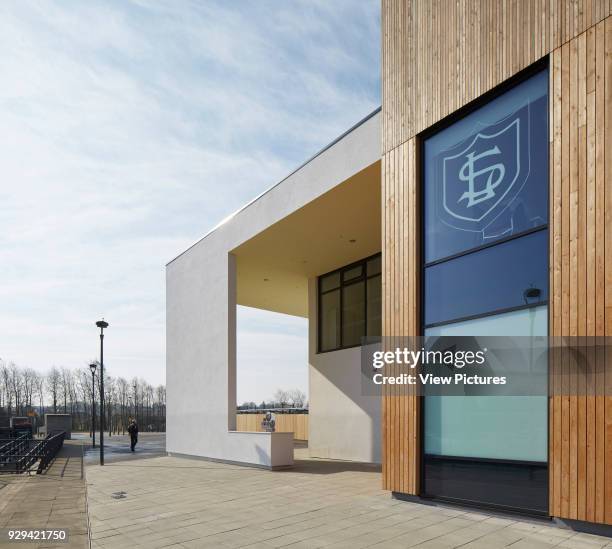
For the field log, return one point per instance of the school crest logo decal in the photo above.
(482, 175)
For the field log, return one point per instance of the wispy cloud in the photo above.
(127, 130)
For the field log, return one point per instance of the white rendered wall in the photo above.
(343, 424)
(200, 311)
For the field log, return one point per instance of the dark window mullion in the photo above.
(329, 291)
(362, 278)
(486, 246)
(492, 312)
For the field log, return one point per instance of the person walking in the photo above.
(133, 431)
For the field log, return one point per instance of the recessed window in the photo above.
(350, 305)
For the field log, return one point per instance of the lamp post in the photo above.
(102, 324)
(93, 367)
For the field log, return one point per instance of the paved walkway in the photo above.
(175, 502)
(55, 499)
(182, 503)
(117, 447)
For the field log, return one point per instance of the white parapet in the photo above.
(271, 450)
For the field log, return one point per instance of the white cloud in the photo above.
(127, 130)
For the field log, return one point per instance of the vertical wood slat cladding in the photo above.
(580, 453)
(401, 318)
(439, 55)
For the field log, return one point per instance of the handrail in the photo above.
(51, 446)
(21, 454)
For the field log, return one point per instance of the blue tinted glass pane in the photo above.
(486, 175)
(488, 280)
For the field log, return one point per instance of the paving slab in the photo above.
(188, 503)
(52, 500)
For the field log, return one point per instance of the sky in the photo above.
(130, 129)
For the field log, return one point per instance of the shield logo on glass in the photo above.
(483, 175)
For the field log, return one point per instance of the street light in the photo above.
(93, 367)
(102, 324)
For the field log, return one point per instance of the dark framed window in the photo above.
(350, 305)
(485, 272)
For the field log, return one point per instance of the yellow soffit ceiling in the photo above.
(339, 227)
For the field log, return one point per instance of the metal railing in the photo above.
(6, 444)
(20, 454)
(16, 454)
(49, 449)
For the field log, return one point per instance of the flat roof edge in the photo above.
(313, 157)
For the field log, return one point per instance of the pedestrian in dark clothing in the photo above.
(133, 431)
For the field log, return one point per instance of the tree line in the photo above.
(293, 398)
(24, 391)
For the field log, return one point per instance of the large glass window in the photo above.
(486, 175)
(350, 304)
(486, 273)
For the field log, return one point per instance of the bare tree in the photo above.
(5, 388)
(297, 398)
(39, 384)
(24, 390)
(109, 403)
(160, 397)
(16, 386)
(64, 381)
(53, 386)
(28, 381)
(281, 397)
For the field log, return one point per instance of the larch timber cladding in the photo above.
(580, 452)
(437, 57)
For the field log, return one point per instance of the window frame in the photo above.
(342, 284)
